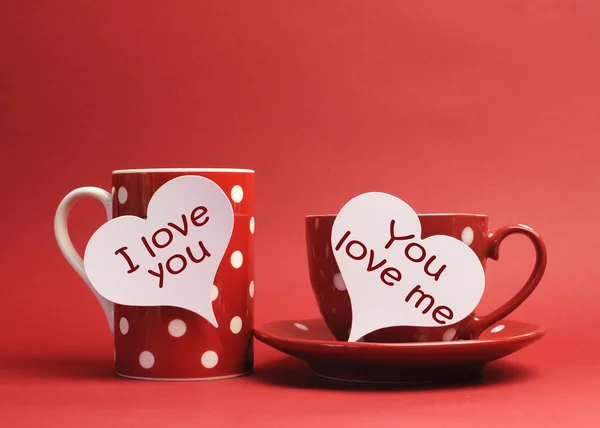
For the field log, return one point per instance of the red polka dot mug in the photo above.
(171, 343)
(334, 302)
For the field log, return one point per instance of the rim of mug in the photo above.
(154, 170)
(457, 214)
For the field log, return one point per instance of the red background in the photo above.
(453, 106)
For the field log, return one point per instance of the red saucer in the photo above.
(422, 362)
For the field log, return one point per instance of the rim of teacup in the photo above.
(457, 214)
(153, 170)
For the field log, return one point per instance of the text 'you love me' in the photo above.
(395, 278)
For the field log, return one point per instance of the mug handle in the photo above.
(61, 232)
(495, 238)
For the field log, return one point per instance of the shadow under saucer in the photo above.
(293, 373)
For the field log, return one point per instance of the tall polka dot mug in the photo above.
(170, 343)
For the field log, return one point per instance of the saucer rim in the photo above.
(538, 331)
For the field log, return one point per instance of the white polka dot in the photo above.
(122, 195)
(449, 335)
(467, 235)
(146, 359)
(214, 293)
(123, 325)
(235, 325)
(237, 259)
(338, 282)
(237, 193)
(210, 359)
(300, 326)
(421, 337)
(317, 223)
(251, 289)
(333, 310)
(497, 329)
(177, 328)
(252, 225)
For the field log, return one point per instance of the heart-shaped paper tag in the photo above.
(169, 259)
(395, 278)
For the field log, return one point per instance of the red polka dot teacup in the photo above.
(334, 302)
(171, 343)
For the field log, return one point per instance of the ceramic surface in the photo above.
(334, 303)
(424, 362)
(168, 343)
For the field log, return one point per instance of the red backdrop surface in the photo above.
(470, 106)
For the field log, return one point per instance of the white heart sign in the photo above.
(169, 259)
(395, 278)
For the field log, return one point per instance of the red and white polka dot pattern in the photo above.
(172, 343)
(332, 296)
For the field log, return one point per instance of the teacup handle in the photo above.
(61, 232)
(495, 238)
